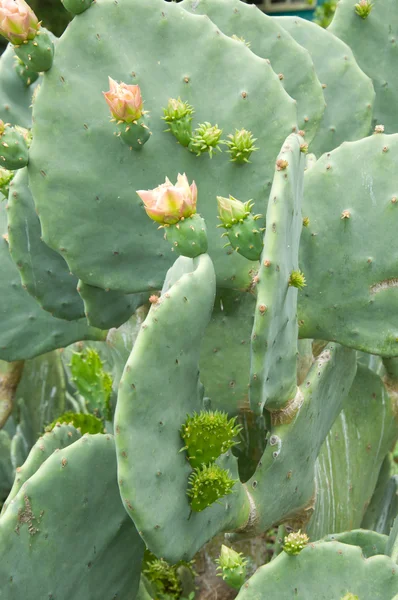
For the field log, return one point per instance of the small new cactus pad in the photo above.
(367, 38)
(85, 423)
(355, 446)
(243, 229)
(75, 486)
(91, 380)
(232, 567)
(188, 237)
(295, 542)
(108, 308)
(267, 39)
(284, 481)
(205, 138)
(44, 273)
(273, 370)
(370, 542)
(323, 571)
(38, 53)
(241, 145)
(225, 351)
(207, 435)
(58, 438)
(207, 485)
(15, 95)
(353, 300)
(27, 330)
(13, 148)
(149, 415)
(341, 77)
(107, 238)
(178, 116)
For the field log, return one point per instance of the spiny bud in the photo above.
(125, 101)
(363, 8)
(241, 145)
(295, 542)
(297, 280)
(232, 566)
(207, 485)
(6, 177)
(206, 138)
(178, 115)
(281, 164)
(207, 435)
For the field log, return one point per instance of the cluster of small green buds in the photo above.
(241, 145)
(295, 542)
(350, 596)
(297, 280)
(242, 231)
(164, 577)
(6, 177)
(93, 383)
(207, 485)
(363, 8)
(206, 138)
(85, 423)
(207, 435)
(178, 116)
(127, 110)
(232, 566)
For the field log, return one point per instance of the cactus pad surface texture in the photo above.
(139, 42)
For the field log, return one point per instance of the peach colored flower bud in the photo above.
(168, 203)
(18, 22)
(124, 101)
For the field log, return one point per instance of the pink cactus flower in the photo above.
(125, 101)
(18, 22)
(168, 203)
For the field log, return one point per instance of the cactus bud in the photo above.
(18, 22)
(208, 435)
(205, 138)
(178, 115)
(295, 542)
(5, 179)
(350, 596)
(297, 280)
(232, 566)
(241, 145)
(207, 485)
(306, 221)
(363, 8)
(125, 101)
(241, 226)
(379, 129)
(167, 204)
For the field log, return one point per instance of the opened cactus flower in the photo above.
(125, 101)
(169, 203)
(18, 22)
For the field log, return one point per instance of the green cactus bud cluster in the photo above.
(242, 231)
(295, 542)
(350, 596)
(205, 138)
(363, 8)
(241, 145)
(84, 423)
(207, 485)
(232, 566)
(165, 579)
(297, 279)
(92, 381)
(207, 435)
(6, 177)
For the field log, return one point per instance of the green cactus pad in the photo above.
(153, 473)
(44, 273)
(383, 506)
(370, 542)
(324, 571)
(267, 39)
(104, 233)
(351, 199)
(392, 543)
(341, 77)
(15, 95)
(27, 330)
(107, 308)
(58, 438)
(283, 485)
(85, 423)
(351, 456)
(225, 351)
(13, 149)
(188, 237)
(37, 53)
(207, 435)
(75, 487)
(368, 39)
(273, 371)
(207, 485)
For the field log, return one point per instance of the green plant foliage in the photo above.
(84, 423)
(92, 381)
